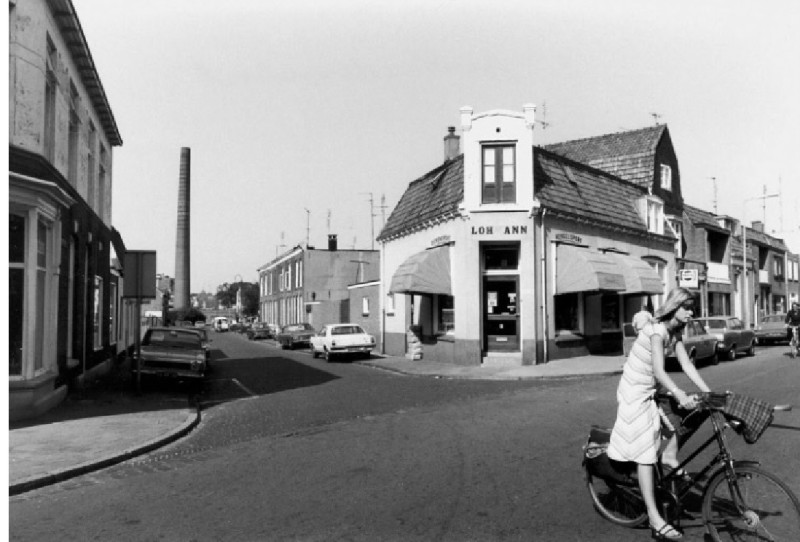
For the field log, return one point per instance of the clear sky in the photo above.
(298, 112)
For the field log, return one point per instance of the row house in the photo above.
(514, 254)
(66, 319)
(310, 285)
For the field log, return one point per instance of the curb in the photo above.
(90, 466)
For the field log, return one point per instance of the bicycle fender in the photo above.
(746, 463)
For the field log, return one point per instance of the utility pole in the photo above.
(745, 294)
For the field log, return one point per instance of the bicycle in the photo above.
(739, 500)
(793, 343)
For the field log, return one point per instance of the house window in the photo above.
(90, 167)
(390, 304)
(609, 312)
(666, 177)
(499, 174)
(655, 217)
(101, 186)
(74, 131)
(16, 292)
(50, 102)
(364, 306)
(778, 267)
(97, 320)
(446, 315)
(676, 226)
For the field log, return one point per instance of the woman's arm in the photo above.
(688, 367)
(657, 350)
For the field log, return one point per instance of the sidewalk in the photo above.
(108, 423)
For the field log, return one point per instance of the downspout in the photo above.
(543, 273)
(382, 290)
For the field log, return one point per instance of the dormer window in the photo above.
(499, 174)
(666, 177)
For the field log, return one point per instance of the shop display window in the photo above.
(447, 314)
(566, 312)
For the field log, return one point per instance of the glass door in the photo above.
(501, 314)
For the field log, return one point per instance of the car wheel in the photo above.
(732, 353)
(314, 353)
(752, 350)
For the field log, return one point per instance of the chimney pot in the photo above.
(332, 242)
(452, 144)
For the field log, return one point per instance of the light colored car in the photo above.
(699, 344)
(220, 324)
(772, 329)
(732, 336)
(339, 339)
(172, 352)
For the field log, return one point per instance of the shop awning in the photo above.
(426, 272)
(640, 277)
(580, 269)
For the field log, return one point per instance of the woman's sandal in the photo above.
(666, 532)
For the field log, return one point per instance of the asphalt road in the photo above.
(296, 449)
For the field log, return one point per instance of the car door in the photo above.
(706, 344)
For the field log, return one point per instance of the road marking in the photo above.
(235, 381)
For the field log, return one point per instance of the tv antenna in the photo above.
(714, 180)
(371, 219)
(308, 225)
(544, 122)
(656, 117)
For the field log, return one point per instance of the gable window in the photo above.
(666, 177)
(499, 174)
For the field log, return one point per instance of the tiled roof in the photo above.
(571, 188)
(703, 219)
(628, 155)
(432, 198)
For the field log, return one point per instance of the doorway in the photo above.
(501, 313)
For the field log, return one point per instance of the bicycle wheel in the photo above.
(620, 504)
(770, 511)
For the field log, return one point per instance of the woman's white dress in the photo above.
(637, 429)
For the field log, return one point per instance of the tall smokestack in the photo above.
(181, 295)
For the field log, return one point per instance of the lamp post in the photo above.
(745, 294)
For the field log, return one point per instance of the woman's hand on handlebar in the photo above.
(687, 401)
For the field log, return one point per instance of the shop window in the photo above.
(97, 320)
(609, 312)
(566, 312)
(446, 314)
(499, 174)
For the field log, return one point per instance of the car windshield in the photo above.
(171, 339)
(346, 330)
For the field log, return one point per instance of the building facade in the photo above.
(66, 318)
(311, 285)
(515, 254)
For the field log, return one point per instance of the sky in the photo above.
(306, 118)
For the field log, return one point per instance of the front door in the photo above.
(501, 314)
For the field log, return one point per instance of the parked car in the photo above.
(200, 323)
(699, 344)
(772, 329)
(340, 339)
(205, 340)
(172, 352)
(295, 335)
(260, 330)
(732, 336)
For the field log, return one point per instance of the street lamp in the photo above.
(745, 294)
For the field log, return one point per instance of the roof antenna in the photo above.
(714, 180)
(656, 117)
(544, 122)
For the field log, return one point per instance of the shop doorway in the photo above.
(501, 314)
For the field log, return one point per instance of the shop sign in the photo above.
(569, 238)
(441, 240)
(688, 278)
(501, 230)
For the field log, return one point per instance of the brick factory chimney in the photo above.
(452, 146)
(332, 243)
(182, 256)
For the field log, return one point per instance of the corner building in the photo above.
(512, 254)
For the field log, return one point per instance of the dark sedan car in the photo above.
(295, 335)
(772, 329)
(172, 352)
(699, 344)
(732, 336)
(260, 330)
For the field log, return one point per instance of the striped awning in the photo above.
(580, 269)
(640, 277)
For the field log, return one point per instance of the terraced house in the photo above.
(65, 316)
(512, 253)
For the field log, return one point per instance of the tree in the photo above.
(226, 296)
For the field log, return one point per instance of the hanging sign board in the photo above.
(140, 274)
(688, 278)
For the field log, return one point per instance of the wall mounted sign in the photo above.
(499, 230)
(569, 238)
(688, 278)
(441, 240)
